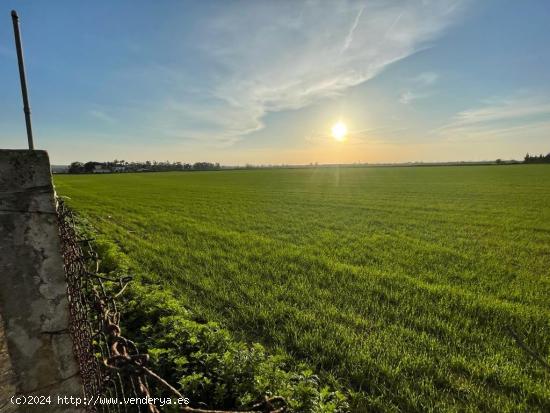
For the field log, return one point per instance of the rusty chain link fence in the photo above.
(110, 364)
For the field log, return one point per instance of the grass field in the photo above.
(400, 281)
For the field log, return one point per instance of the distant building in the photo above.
(100, 169)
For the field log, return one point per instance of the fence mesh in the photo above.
(111, 365)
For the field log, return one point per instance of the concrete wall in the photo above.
(7, 376)
(36, 355)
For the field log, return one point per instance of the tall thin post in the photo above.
(26, 106)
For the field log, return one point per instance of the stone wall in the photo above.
(36, 356)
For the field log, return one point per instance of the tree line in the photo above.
(154, 166)
(147, 166)
(537, 159)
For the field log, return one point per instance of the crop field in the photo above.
(420, 288)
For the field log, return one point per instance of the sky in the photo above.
(262, 82)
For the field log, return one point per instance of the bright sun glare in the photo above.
(339, 131)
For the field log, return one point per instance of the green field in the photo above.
(401, 281)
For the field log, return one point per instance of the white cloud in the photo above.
(216, 119)
(420, 84)
(500, 118)
(408, 96)
(504, 110)
(101, 115)
(426, 78)
(274, 56)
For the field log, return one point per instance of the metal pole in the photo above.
(26, 106)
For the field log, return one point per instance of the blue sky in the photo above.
(241, 82)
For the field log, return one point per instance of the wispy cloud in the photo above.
(495, 118)
(274, 56)
(426, 78)
(419, 87)
(101, 115)
(409, 96)
(509, 109)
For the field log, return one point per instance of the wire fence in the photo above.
(111, 366)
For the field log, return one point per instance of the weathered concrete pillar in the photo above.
(36, 354)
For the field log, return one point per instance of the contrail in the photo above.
(349, 37)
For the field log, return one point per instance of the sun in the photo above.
(339, 131)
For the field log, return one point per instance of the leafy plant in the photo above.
(211, 368)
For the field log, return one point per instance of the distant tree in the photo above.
(76, 168)
(205, 166)
(125, 166)
(498, 161)
(537, 159)
(89, 166)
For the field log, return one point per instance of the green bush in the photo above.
(111, 259)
